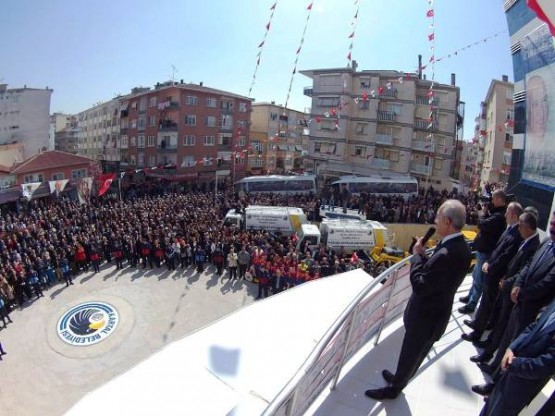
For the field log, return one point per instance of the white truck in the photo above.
(352, 235)
(283, 220)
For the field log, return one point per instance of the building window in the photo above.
(133, 107)
(191, 100)
(151, 140)
(134, 123)
(360, 151)
(57, 176)
(152, 160)
(224, 139)
(226, 122)
(241, 141)
(152, 120)
(328, 101)
(142, 104)
(317, 147)
(132, 160)
(124, 142)
(211, 102)
(391, 155)
(207, 160)
(361, 128)
(153, 101)
(211, 121)
(189, 140)
(363, 104)
(141, 159)
(190, 120)
(133, 141)
(243, 107)
(142, 123)
(141, 141)
(78, 174)
(188, 161)
(209, 140)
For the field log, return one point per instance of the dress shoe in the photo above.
(381, 394)
(473, 336)
(388, 376)
(464, 299)
(481, 344)
(481, 358)
(486, 368)
(466, 309)
(470, 323)
(483, 389)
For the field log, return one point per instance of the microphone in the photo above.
(427, 236)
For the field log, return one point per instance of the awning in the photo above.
(10, 195)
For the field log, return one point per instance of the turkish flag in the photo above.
(105, 180)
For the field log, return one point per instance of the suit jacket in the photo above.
(504, 251)
(537, 284)
(435, 281)
(490, 229)
(523, 256)
(534, 349)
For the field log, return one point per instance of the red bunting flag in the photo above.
(105, 180)
(309, 7)
(430, 13)
(273, 7)
(349, 56)
(431, 36)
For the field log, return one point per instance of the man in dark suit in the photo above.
(527, 366)
(490, 227)
(499, 339)
(494, 269)
(434, 282)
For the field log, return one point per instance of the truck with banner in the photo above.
(352, 235)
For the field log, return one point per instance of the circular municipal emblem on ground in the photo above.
(88, 323)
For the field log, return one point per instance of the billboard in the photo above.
(538, 48)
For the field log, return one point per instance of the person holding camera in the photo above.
(490, 228)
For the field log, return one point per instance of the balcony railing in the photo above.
(169, 146)
(425, 146)
(421, 169)
(386, 139)
(424, 124)
(380, 163)
(168, 126)
(389, 92)
(386, 116)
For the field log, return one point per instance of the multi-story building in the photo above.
(98, 131)
(278, 139)
(25, 118)
(58, 123)
(193, 128)
(497, 132)
(370, 121)
(469, 176)
(532, 176)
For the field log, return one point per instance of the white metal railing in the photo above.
(363, 319)
(384, 139)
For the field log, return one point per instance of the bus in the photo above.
(405, 186)
(278, 184)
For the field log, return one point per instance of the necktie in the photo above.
(548, 252)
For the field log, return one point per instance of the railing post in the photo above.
(345, 347)
(396, 273)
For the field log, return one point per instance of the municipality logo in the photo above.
(87, 323)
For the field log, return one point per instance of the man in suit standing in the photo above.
(494, 269)
(527, 366)
(490, 228)
(434, 282)
(499, 339)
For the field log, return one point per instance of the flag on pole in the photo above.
(105, 180)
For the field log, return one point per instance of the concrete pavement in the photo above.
(42, 375)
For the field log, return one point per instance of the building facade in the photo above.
(497, 132)
(532, 176)
(25, 118)
(374, 121)
(193, 128)
(279, 139)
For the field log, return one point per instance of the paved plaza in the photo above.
(42, 375)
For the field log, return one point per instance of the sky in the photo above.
(89, 52)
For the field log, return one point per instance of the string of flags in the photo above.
(469, 46)
(261, 46)
(352, 34)
(297, 54)
(430, 14)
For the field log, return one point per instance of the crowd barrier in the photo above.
(363, 319)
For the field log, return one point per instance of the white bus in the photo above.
(405, 186)
(278, 184)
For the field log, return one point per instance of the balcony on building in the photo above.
(226, 106)
(308, 91)
(424, 146)
(420, 169)
(380, 163)
(386, 116)
(167, 146)
(391, 92)
(385, 139)
(167, 125)
(422, 124)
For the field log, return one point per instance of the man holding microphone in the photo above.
(434, 281)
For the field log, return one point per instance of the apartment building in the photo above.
(497, 122)
(25, 118)
(195, 129)
(279, 139)
(363, 122)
